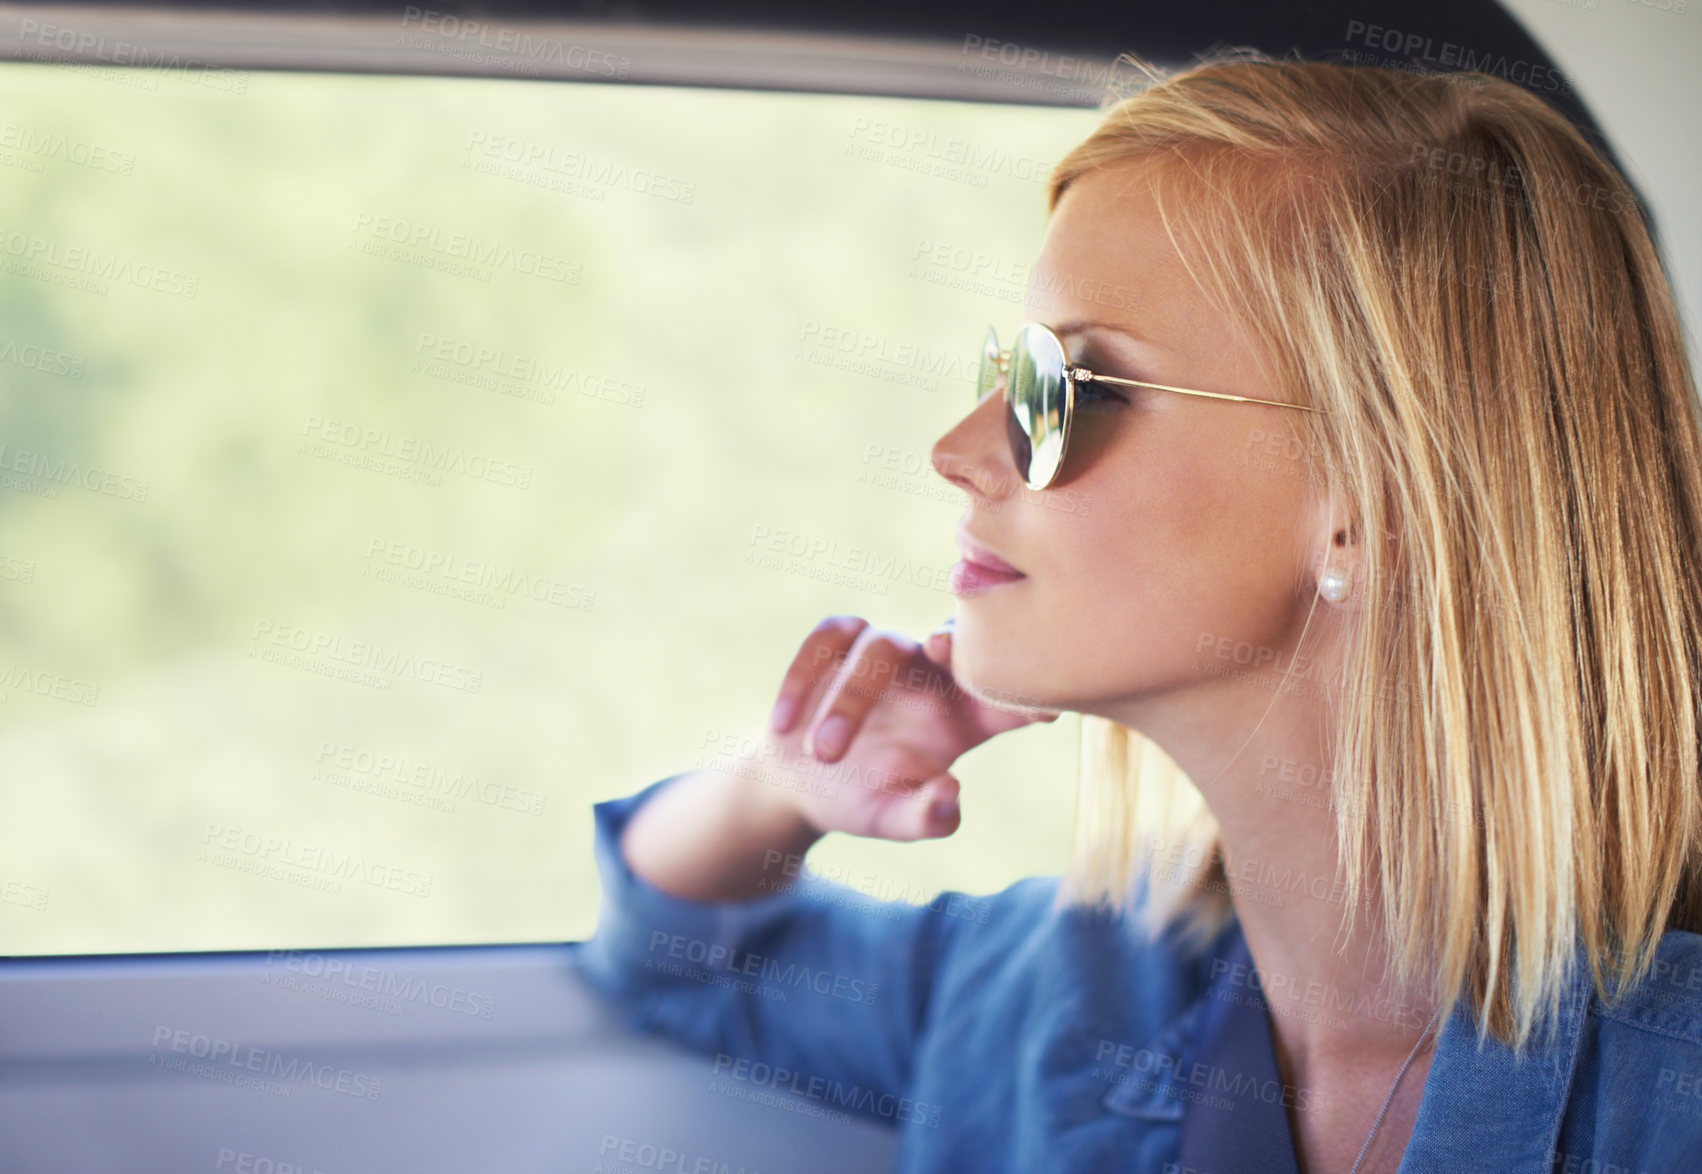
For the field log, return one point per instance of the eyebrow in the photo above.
(1082, 325)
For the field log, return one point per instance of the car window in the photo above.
(391, 467)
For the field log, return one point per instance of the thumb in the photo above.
(928, 813)
(937, 647)
(941, 815)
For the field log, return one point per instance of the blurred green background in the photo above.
(756, 314)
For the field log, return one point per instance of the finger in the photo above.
(943, 811)
(937, 647)
(865, 673)
(820, 650)
(931, 812)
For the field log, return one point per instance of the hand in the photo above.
(882, 720)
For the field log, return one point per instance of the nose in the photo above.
(975, 455)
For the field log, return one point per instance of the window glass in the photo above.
(392, 467)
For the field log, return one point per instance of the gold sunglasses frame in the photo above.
(1073, 374)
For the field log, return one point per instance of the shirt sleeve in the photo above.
(818, 978)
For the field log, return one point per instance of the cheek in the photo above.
(1147, 501)
(1178, 545)
(1169, 548)
(1114, 588)
(1116, 578)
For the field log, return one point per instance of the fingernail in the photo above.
(784, 710)
(831, 736)
(943, 810)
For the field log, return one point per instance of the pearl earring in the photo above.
(1332, 584)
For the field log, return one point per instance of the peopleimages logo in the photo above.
(432, 564)
(53, 145)
(40, 358)
(628, 1153)
(351, 443)
(575, 167)
(461, 247)
(834, 1092)
(97, 47)
(334, 760)
(1449, 56)
(300, 647)
(527, 49)
(25, 252)
(239, 1059)
(338, 972)
(226, 845)
(243, 1162)
(20, 678)
(717, 957)
(54, 471)
(521, 376)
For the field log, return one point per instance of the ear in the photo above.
(1336, 544)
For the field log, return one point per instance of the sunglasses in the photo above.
(1040, 397)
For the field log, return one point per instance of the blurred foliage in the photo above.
(142, 727)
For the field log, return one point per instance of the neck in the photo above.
(1333, 1000)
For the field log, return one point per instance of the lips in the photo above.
(974, 552)
(980, 569)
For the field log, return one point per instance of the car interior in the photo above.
(398, 400)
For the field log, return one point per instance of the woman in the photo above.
(1395, 485)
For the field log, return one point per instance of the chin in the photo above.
(993, 677)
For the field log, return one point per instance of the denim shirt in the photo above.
(997, 1033)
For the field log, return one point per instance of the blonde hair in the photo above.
(1444, 264)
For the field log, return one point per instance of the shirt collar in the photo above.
(1486, 1103)
(1453, 1130)
(1154, 1089)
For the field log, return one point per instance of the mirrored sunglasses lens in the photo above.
(988, 378)
(1036, 395)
